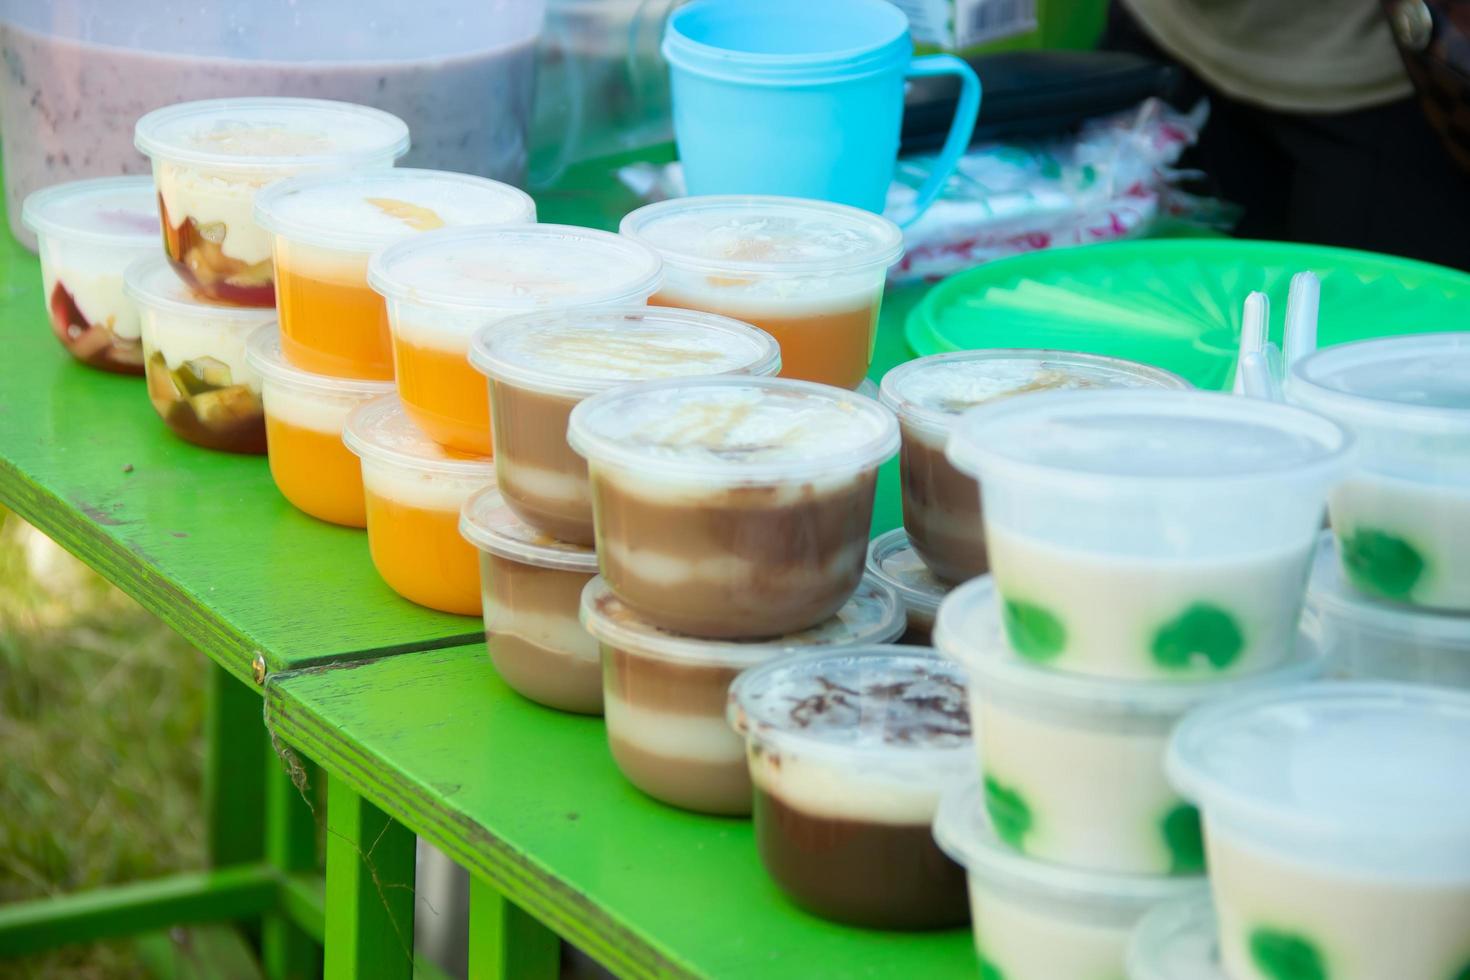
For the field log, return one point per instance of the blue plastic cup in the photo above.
(802, 98)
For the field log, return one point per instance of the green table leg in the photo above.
(286, 950)
(370, 865)
(234, 770)
(506, 942)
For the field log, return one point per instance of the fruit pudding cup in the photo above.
(664, 693)
(89, 232)
(1178, 941)
(1072, 766)
(941, 505)
(325, 227)
(305, 414)
(210, 158)
(849, 752)
(542, 365)
(1034, 920)
(894, 562)
(809, 273)
(1402, 518)
(1118, 532)
(1337, 825)
(443, 286)
(414, 490)
(732, 507)
(532, 592)
(1372, 639)
(194, 354)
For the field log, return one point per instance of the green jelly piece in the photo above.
(1185, 839)
(1283, 956)
(1008, 811)
(1202, 630)
(1034, 632)
(1382, 563)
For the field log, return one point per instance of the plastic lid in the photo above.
(381, 430)
(734, 428)
(891, 700)
(153, 283)
(1151, 436)
(964, 833)
(263, 353)
(1334, 760)
(522, 267)
(488, 524)
(1331, 597)
(121, 211)
(365, 211)
(1420, 381)
(969, 630)
(582, 351)
(936, 390)
(872, 615)
(270, 133)
(1177, 941)
(758, 235)
(893, 561)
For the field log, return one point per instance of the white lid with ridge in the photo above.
(488, 524)
(263, 353)
(893, 560)
(116, 211)
(381, 431)
(152, 283)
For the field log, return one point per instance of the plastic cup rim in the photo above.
(33, 212)
(1306, 386)
(135, 288)
(489, 540)
(886, 545)
(263, 353)
(365, 448)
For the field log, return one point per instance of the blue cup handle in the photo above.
(960, 130)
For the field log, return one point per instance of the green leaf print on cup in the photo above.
(1008, 811)
(1185, 839)
(1202, 630)
(1381, 563)
(1283, 956)
(1034, 631)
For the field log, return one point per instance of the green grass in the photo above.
(100, 719)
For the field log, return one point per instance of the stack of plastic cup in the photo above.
(1130, 583)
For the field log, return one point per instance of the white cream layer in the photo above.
(672, 571)
(308, 408)
(546, 484)
(425, 489)
(1025, 941)
(849, 789)
(209, 195)
(694, 738)
(184, 337)
(93, 275)
(1434, 519)
(558, 631)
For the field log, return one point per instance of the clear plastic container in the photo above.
(1403, 517)
(1177, 941)
(1337, 824)
(415, 491)
(1151, 534)
(444, 286)
(849, 752)
(305, 414)
(325, 227)
(542, 365)
(532, 592)
(732, 507)
(1073, 765)
(941, 505)
(664, 694)
(199, 380)
(893, 560)
(809, 273)
(1035, 920)
(211, 158)
(1371, 639)
(459, 72)
(89, 232)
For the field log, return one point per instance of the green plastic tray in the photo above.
(1177, 303)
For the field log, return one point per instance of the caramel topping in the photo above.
(416, 216)
(1047, 380)
(602, 350)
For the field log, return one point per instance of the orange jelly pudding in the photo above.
(414, 490)
(331, 322)
(444, 396)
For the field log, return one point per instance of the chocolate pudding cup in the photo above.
(849, 752)
(941, 505)
(664, 694)
(732, 507)
(893, 560)
(542, 365)
(532, 589)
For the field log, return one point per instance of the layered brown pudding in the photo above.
(941, 505)
(849, 752)
(664, 694)
(732, 507)
(541, 366)
(532, 589)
